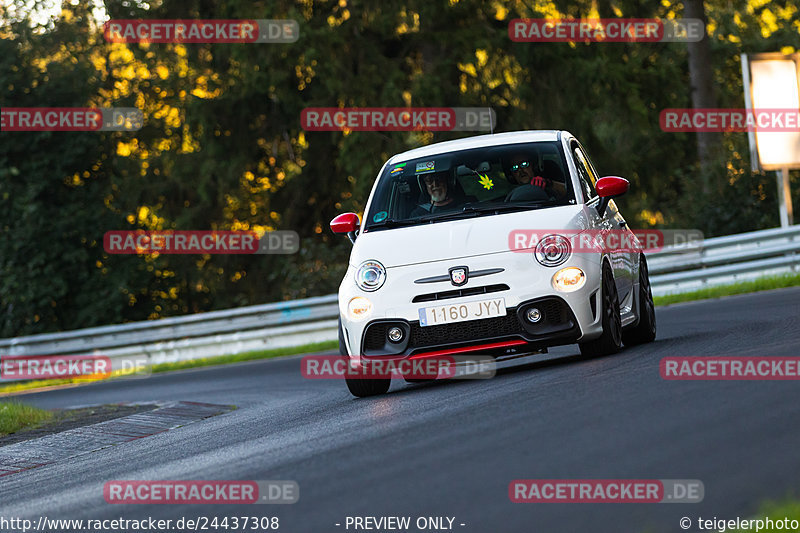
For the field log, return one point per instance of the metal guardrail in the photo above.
(258, 327)
(279, 325)
(723, 260)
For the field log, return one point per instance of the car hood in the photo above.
(469, 237)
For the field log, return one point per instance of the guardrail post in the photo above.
(785, 198)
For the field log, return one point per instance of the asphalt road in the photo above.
(451, 449)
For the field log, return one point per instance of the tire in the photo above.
(610, 342)
(645, 330)
(362, 388)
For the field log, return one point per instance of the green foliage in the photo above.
(222, 146)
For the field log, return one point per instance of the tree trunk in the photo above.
(709, 144)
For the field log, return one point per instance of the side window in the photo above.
(585, 173)
(589, 167)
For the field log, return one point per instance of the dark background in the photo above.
(222, 146)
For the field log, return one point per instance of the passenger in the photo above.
(520, 171)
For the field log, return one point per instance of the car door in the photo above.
(611, 220)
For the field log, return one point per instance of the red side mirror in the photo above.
(611, 186)
(345, 223)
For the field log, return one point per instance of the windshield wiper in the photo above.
(507, 207)
(447, 215)
(392, 223)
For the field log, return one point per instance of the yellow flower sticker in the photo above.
(485, 181)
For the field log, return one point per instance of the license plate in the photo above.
(447, 314)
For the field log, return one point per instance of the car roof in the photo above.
(495, 139)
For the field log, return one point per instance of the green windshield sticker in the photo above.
(424, 168)
(379, 217)
(398, 168)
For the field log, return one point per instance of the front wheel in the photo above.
(368, 387)
(357, 386)
(645, 330)
(610, 341)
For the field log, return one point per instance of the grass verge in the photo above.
(180, 365)
(761, 284)
(775, 511)
(15, 416)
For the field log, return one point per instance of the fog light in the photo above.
(359, 308)
(569, 279)
(395, 334)
(533, 315)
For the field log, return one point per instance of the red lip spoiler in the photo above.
(451, 351)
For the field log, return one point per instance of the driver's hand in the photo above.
(539, 182)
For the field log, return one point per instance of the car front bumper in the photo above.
(568, 317)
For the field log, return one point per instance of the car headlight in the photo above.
(359, 308)
(370, 276)
(552, 250)
(569, 279)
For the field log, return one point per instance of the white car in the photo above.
(494, 244)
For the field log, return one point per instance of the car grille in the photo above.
(465, 331)
(472, 291)
(557, 317)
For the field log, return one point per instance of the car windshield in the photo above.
(470, 183)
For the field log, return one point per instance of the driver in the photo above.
(442, 195)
